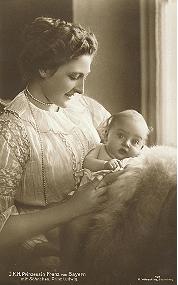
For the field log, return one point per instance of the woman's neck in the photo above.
(36, 97)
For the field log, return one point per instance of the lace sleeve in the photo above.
(14, 154)
(99, 115)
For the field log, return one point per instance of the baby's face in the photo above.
(126, 138)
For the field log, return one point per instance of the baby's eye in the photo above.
(136, 142)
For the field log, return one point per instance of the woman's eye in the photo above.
(76, 76)
(73, 77)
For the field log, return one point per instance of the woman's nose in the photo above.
(79, 88)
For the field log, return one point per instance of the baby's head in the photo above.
(126, 134)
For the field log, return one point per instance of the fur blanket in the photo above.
(134, 236)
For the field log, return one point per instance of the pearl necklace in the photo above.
(77, 170)
(41, 149)
(35, 99)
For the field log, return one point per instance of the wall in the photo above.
(115, 77)
(158, 63)
(14, 15)
(167, 73)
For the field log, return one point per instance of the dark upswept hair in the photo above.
(49, 43)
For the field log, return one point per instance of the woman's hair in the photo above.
(49, 43)
(127, 114)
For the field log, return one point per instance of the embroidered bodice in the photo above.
(32, 139)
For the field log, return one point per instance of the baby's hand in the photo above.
(113, 164)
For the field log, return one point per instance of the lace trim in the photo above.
(15, 134)
(9, 179)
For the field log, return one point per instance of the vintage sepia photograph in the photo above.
(88, 142)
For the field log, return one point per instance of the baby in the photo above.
(125, 136)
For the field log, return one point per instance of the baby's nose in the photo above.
(127, 143)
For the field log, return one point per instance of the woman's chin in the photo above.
(65, 103)
(62, 104)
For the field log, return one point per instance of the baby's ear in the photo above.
(105, 135)
(102, 132)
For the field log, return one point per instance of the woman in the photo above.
(46, 131)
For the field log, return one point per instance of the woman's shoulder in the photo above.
(11, 124)
(13, 134)
(9, 120)
(18, 105)
(98, 113)
(11, 113)
(91, 103)
(84, 101)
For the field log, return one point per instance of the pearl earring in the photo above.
(42, 73)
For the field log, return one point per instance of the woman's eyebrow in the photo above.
(79, 73)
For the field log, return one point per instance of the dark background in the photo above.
(14, 15)
(115, 80)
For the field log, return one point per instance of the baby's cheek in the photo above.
(135, 152)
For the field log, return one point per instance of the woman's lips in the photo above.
(69, 95)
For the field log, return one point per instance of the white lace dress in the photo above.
(41, 152)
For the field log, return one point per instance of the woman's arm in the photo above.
(18, 228)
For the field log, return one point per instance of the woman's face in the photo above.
(67, 80)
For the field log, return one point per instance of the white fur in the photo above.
(130, 218)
